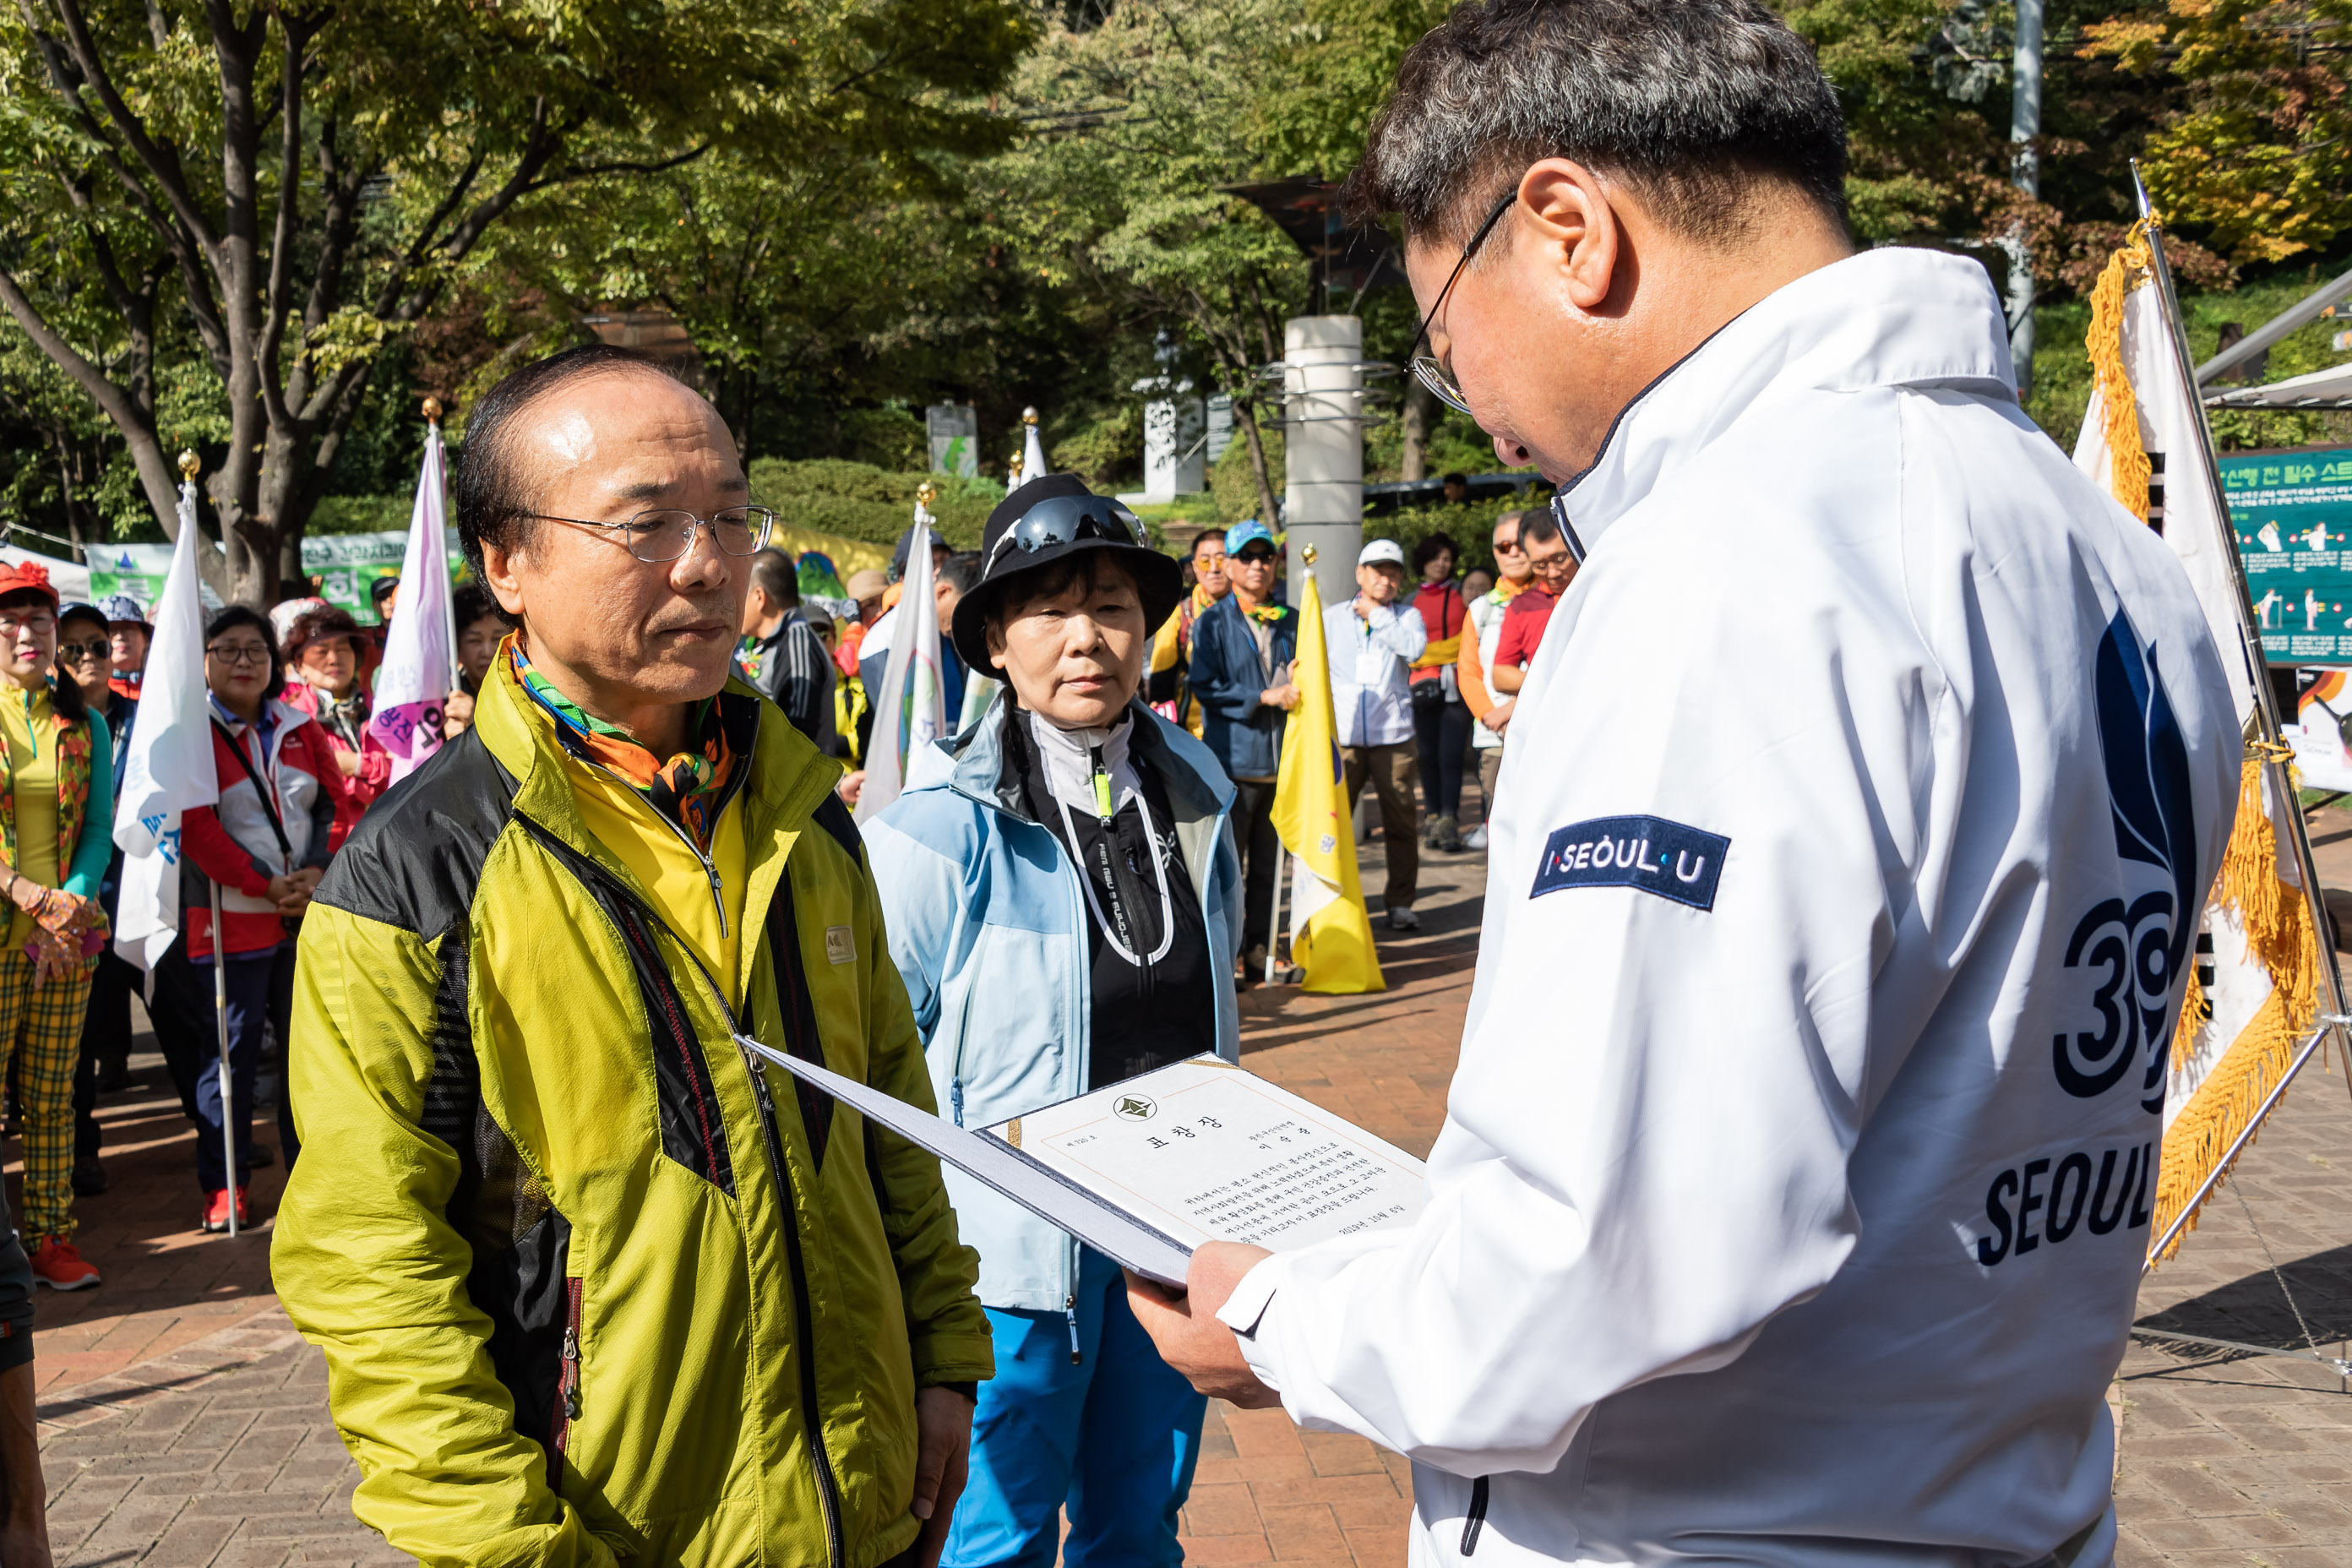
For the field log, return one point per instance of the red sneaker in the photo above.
(216, 1211)
(58, 1265)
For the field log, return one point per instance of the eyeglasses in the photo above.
(240, 653)
(1063, 519)
(1507, 546)
(665, 536)
(1261, 558)
(1427, 368)
(85, 652)
(38, 621)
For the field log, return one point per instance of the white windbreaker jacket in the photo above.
(1855, 820)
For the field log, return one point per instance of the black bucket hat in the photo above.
(1048, 519)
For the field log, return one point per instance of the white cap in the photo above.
(1379, 550)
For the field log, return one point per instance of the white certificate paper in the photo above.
(1145, 1171)
(1202, 1150)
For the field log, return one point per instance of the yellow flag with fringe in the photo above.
(2253, 995)
(1330, 931)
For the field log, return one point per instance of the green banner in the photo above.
(344, 563)
(2291, 515)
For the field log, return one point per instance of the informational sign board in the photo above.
(954, 430)
(345, 564)
(2291, 515)
(2322, 735)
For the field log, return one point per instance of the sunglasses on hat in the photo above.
(1063, 519)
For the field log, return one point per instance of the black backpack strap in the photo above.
(269, 798)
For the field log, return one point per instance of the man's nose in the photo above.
(704, 564)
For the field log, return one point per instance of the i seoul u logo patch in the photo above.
(1659, 857)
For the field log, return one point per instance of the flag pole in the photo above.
(220, 1017)
(2266, 711)
(1282, 859)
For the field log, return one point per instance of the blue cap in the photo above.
(1248, 533)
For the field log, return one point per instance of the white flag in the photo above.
(1033, 455)
(168, 766)
(911, 712)
(416, 674)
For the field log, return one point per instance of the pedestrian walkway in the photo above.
(184, 1423)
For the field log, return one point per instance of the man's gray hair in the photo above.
(1690, 103)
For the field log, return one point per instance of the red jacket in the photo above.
(235, 843)
(375, 764)
(1444, 614)
(1524, 621)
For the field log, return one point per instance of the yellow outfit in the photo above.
(26, 720)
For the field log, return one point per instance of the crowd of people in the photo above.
(298, 768)
(1714, 1259)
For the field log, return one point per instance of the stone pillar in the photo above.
(1323, 444)
(1172, 428)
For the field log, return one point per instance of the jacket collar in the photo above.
(788, 780)
(1887, 317)
(973, 764)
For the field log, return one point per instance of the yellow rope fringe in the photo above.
(2127, 464)
(2277, 923)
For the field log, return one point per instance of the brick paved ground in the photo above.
(184, 1423)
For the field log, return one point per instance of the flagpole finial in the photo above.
(188, 466)
(1029, 416)
(432, 411)
(1306, 554)
(2139, 191)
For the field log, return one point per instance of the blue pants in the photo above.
(1114, 1437)
(260, 996)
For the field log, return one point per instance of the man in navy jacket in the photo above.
(1242, 650)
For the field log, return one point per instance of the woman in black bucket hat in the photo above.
(1062, 901)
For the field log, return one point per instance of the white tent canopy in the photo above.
(71, 580)
(2330, 388)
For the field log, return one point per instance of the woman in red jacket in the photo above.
(323, 653)
(265, 846)
(1441, 724)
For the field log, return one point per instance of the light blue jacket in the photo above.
(988, 925)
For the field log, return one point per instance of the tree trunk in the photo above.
(1419, 413)
(1271, 512)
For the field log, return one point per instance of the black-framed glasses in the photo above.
(1065, 519)
(1428, 368)
(80, 651)
(666, 533)
(241, 653)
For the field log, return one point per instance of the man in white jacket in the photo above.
(1371, 641)
(1858, 808)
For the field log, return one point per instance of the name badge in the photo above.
(840, 945)
(1667, 858)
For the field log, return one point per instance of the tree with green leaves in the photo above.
(295, 188)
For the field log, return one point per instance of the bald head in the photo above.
(558, 424)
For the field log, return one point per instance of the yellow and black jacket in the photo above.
(588, 1285)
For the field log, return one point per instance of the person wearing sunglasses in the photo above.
(589, 1279)
(1866, 721)
(1244, 646)
(56, 816)
(86, 657)
(1491, 709)
(1061, 894)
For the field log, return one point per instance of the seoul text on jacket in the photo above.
(989, 926)
(589, 1288)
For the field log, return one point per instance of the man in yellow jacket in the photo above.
(591, 1287)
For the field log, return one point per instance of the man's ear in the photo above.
(499, 574)
(1566, 210)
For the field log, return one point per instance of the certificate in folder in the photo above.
(1147, 1169)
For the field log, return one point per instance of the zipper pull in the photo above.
(1102, 784)
(570, 1373)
